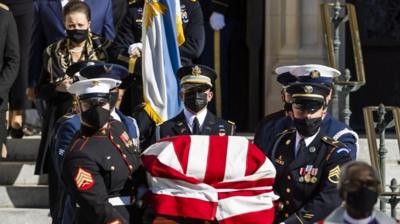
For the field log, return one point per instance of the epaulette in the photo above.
(332, 141)
(193, 0)
(231, 122)
(288, 131)
(68, 116)
(5, 7)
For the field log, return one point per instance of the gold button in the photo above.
(112, 167)
(130, 167)
(286, 215)
(288, 190)
(288, 177)
(118, 146)
(124, 155)
(287, 202)
(103, 132)
(111, 137)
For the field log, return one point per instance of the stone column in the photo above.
(293, 36)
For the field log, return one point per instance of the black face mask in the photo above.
(195, 101)
(96, 117)
(307, 127)
(362, 200)
(113, 99)
(287, 107)
(77, 36)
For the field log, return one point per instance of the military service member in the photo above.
(331, 127)
(68, 125)
(306, 160)
(100, 165)
(127, 45)
(196, 83)
(270, 125)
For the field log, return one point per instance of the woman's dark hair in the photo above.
(76, 6)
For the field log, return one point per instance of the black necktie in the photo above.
(302, 146)
(196, 126)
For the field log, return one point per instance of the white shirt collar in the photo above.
(201, 116)
(307, 140)
(351, 220)
(115, 115)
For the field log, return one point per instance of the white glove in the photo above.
(217, 21)
(135, 49)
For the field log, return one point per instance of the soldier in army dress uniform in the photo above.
(307, 161)
(99, 169)
(196, 84)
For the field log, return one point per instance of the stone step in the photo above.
(24, 196)
(24, 149)
(25, 215)
(20, 173)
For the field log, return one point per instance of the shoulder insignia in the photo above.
(67, 116)
(83, 180)
(334, 174)
(308, 216)
(331, 141)
(130, 2)
(231, 122)
(288, 131)
(5, 7)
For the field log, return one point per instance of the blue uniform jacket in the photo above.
(269, 129)
(48, 27)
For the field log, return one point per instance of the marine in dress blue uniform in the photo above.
(307, 161)
(196, 83)
(333, 128)
(99, 168)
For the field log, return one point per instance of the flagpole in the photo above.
(217, 68)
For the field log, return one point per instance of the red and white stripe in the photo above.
(222, 178)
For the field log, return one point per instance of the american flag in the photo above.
(223, 178)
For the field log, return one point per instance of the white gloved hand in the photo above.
(217, 21)
(135, 49)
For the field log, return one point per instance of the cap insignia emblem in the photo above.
(196, 70)
(308, 89)
(95, 83)
(107, 69)
(315, 74)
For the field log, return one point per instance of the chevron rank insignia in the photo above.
(334, 174)
(83, 180)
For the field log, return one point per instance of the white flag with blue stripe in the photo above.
(161, 32)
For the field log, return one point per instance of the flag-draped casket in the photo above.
(223, 178)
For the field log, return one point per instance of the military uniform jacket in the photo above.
(212, 126)
(99, 168)
(307, 183)
(130, 32)
(266, 129)
(270, 128)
